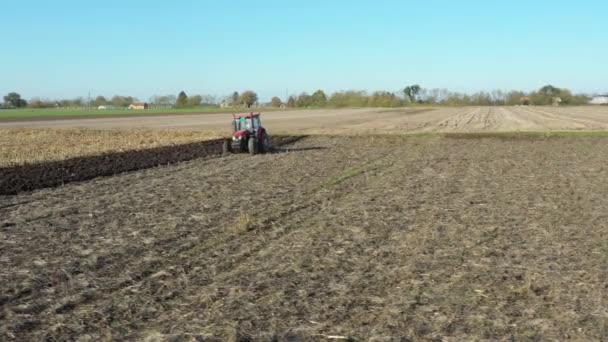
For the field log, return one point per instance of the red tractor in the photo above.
(248, 135)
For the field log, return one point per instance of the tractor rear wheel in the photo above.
(252, 145)
(265, 144)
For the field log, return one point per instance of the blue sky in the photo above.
(64, 49)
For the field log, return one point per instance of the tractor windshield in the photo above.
(242, 123)
(246, 123)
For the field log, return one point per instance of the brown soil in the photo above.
(430, 239)
(27, 177)
(372, 120)
(19, 146)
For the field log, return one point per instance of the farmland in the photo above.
(464, 230)
(19, 146)
(367, 120)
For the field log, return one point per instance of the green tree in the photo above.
(121, 101)
(515, 97)
(411, 92)
(37, 102)
(249, 98)
(276, 102)
(182, 100)
(77, 102)
(545, 95)
(100, 101)
(291, 102)
(382, 99)
(14, 100)
(318, 99)
(349, 99)
(550, 90)
(235, 98)
(304, 100)
(164, 100)
(195, 101)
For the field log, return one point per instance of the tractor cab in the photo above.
(248, 122)
(248, 135)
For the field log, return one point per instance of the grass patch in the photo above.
(345, 176)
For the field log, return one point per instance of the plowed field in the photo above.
(384, 237)
(370, 120)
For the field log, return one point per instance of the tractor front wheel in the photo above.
(252, 145)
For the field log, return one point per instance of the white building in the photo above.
(599, 100)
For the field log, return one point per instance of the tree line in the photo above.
(415, 94)
(412, 94)
(248, 98)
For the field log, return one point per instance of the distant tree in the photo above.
(433, 96)
(411, 92)
(249, 98)
(100, 101)
(235, 98)
(37, 102)
(382, 99)
(195, 101)
(550, 90)
(276, 102)
(182, 100)
(546, 95)
(481, 99)
(77, 102)
(515, 97)
(122, 101)
(291, 102)
(498, 97)
(579, 100)
(318, 99)
(14, 100)
(164, 100)
(208, 100)
(304, 100)
(349, 98)
(117, 101)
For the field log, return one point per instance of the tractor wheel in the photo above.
(226, 147)
(252, 145)
(265, 144)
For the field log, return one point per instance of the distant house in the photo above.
(139, 105)
(557, 101)
(599, 100)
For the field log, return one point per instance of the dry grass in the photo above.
(23, 145)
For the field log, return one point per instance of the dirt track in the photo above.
(469, 119)
(424, 238)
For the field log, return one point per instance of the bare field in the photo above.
(371, 120)
(386, 237)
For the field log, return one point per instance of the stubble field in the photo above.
(366, 120)
(385, 237)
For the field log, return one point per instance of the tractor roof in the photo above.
(246, 116)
